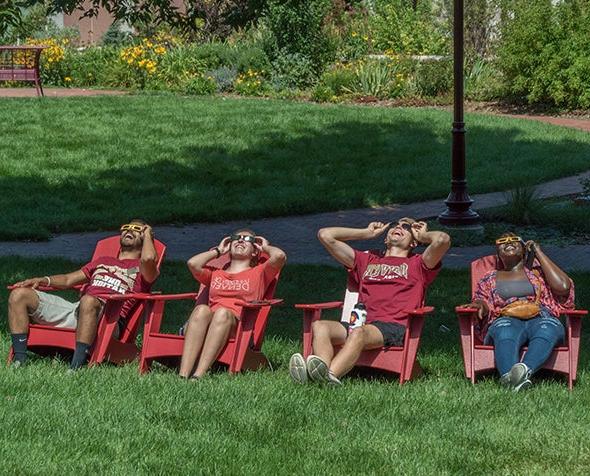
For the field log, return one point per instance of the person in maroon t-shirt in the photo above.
(134, 270)
(390, 283)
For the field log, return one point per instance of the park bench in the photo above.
(21, 63)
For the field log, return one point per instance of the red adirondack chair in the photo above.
(399, 360)
(47, 339)
(243, 350)
(479, 358)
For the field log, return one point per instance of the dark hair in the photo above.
(241, 230)
(138, 220)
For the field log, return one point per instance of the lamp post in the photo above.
(458, 212)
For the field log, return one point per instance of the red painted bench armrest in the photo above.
(323, 305)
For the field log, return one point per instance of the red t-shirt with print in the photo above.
(248, 285)
(110, 275)
(391, 286)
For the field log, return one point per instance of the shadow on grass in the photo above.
(321, 160)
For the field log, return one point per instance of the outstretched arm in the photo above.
(58, 281)
(334, 238)
(198, 262)
(438, 243)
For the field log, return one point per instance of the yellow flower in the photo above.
(67, 79)
(353, 34)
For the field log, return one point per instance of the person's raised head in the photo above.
(510, 249)
(132, 235)
(400, 236)
(242, 246)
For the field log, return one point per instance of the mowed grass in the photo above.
(82, 164)
(108, 420)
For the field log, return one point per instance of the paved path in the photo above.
(57, 92)
(297, 234)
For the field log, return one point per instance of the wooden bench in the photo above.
(21, 63)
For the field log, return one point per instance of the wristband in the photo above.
(48, 280)
(217, 251)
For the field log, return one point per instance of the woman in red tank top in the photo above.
(242, 279)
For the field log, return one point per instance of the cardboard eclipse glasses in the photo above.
(509, 239)
(132, 227)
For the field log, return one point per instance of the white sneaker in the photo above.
(319, 372)
(298, 369)
(519, 377)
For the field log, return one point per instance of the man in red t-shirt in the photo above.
(390, 284)
(134, 270)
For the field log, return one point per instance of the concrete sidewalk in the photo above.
(297, 234)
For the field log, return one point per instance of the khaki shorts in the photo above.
(55, 311)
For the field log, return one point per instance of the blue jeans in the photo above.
(509, 334)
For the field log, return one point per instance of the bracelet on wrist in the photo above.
(217, 250)
(48, 280)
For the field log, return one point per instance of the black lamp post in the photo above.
(458, 212)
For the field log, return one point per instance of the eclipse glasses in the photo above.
(132, 227)
(509, 239)
(246, 238)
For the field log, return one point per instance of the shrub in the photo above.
(54, 60)
(224, 78)
(545, 54)
(371, 79)
(523, 205)
(251, 83)
(251, 57)
(323, 93)
(433, 78)
(398, 27)
(482, 81)
(199, 85)
(116, 36)
(292, 70)
(338, 78)
(93, 66)
(297, 27)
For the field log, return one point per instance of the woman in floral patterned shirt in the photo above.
(544, 283)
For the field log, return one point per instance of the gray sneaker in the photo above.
(519, 377)
(319, 372)
(298, 368)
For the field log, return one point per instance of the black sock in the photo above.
(19, 346)
(80, 355)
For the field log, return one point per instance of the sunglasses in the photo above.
(509, 239)
(132, 227)
(246, 238)
(406, 226)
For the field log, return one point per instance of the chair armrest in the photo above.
(148, 296)
(323, 305)
(463, 311)
(259, 304)
(77, 287)
(421, 311)
(574, 313)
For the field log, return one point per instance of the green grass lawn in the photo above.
(81, 164)
(109, 420)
